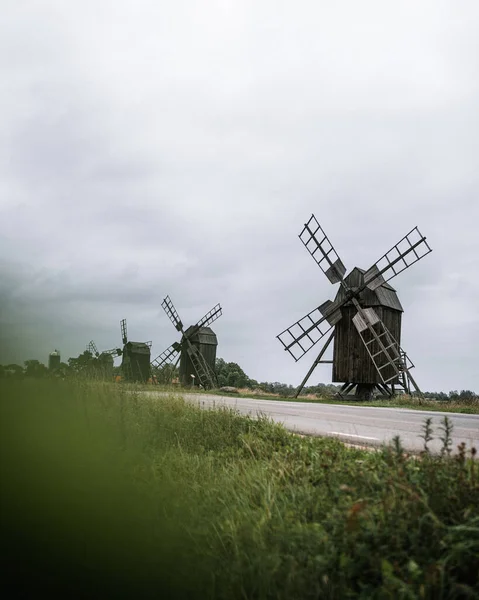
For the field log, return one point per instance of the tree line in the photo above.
(229, 374)
(85, 364)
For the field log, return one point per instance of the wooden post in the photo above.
(315, 364)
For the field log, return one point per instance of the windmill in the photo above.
(196, 350)
(105, 357)
(91, 347)
(135, 362)
(364, 320)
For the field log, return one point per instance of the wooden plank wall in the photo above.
(351, 361)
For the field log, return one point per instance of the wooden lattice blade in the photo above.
(300, 337)
(172, 313)
(318, 245)
(409, 250)
(210, 317)
(166, 357)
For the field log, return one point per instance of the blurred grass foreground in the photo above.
(110, 493)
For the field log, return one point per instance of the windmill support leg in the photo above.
(314, 365)
(345, 389)
(383, 388)
(364, 391)
(416, 387)
(170, 376)
(174, 369)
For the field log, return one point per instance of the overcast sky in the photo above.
(176, 148)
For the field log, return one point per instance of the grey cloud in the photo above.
(151, 149)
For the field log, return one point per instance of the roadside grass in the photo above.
(111, 494)
(470, 406)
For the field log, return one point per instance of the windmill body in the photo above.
(135, 358)
(107, 364)
(351, 360)
(135, 362)
(206, 342)
(105, 358)
(364, 319)
(196, 351)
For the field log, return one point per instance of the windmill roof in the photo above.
(204, 335)
(384, 285)
(385, 295)
(138, 347)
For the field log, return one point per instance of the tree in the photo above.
(230, 374)
(14, 370)
(86, 365)
(34, 368)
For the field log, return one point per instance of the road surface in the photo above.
(358, 425)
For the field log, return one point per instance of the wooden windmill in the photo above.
(364, 320)
(196, 350)
(92, 348)
(105, 357)
(135, 361)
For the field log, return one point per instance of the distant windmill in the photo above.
(196, 350)
(105, 357)
(364, 318)
(135, 362)
(91, 347)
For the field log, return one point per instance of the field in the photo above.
(107, 493)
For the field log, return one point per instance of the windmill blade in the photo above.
(367, 317)
(300, 337)
(167, 356)
(212, 315)
(124, 335)
(409, 250)
(172, 313)
(92, 348)
(318, 245)
(113, 352)
(331, 311)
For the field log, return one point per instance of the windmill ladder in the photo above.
(201, 367)
(394, 354)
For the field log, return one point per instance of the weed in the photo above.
(446, 428)
(111, 493)
(427, 433)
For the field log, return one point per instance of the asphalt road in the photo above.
(359, 425)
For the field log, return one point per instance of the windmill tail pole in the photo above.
(315, 364)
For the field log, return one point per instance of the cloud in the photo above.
(151, 149)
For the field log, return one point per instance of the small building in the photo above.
(351, 360)
(54, 360)
(135, 362)
(206, 342)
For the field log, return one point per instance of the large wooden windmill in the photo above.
(364, 320)
(196, 350)
(135, 358)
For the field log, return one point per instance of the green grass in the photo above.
(114, 494)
